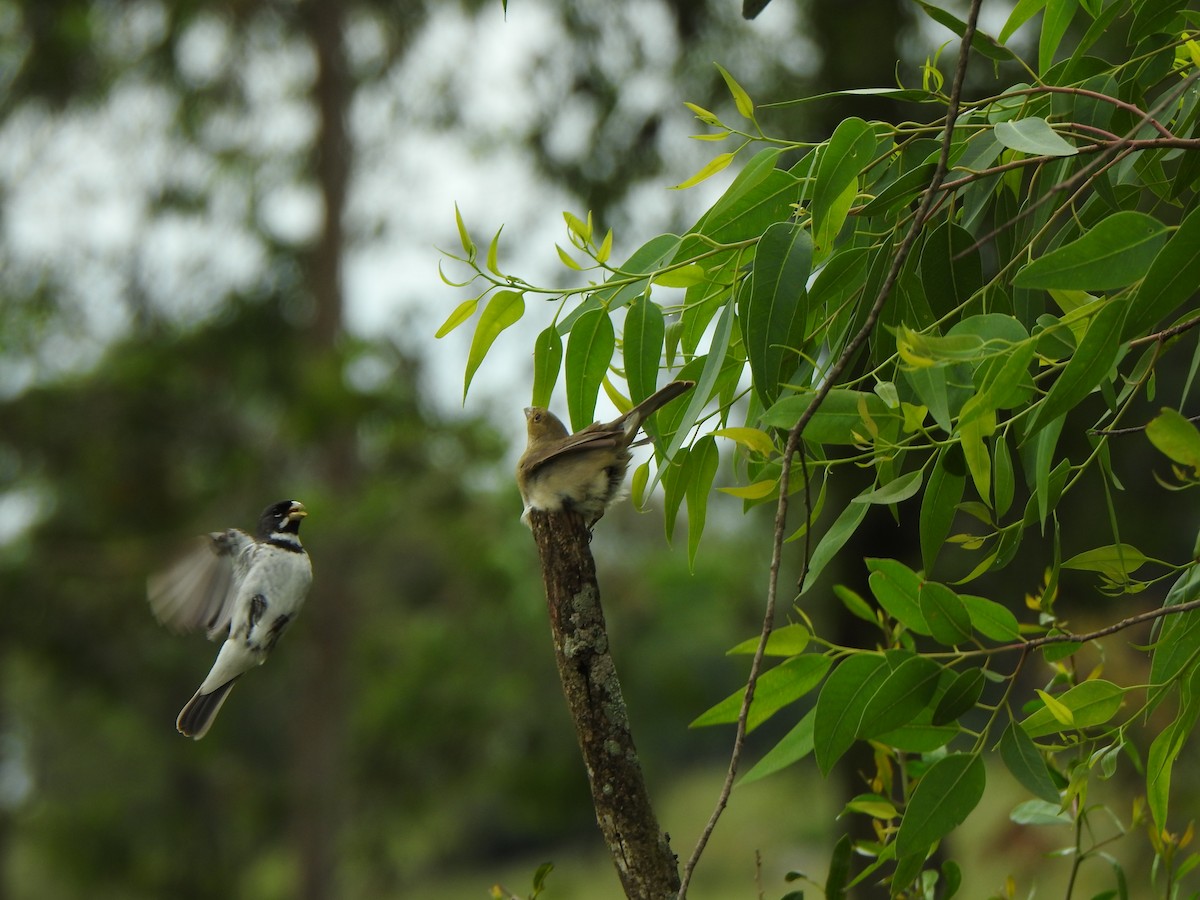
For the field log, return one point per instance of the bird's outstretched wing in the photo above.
(199, 590)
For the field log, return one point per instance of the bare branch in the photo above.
(641, 851)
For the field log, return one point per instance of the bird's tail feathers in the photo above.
(635, 417)
(197, 716)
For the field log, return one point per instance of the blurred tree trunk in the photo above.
(320, 740)
(854, 56)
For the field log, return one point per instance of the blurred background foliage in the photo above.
(193, 339)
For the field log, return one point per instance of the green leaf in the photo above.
(1117, 561)
(1039, 812)
(1021, 13)
(961, 695)
(758, 197)
(898, 589)
(1177, 643)
(1057, 18)
(773, 306)
(895, 491)
(941, 801)
(674, 487)
(1002, 470)
(855, 604)
(547, 358)
(991, 619)
(461, 313)
(504, 309)
(1090, 703)
(1175, 436)
(1088, 366)
(905, 691)
(982, 43)
(841, 419)
(789, 640)
(1160, 762)
(902, 191)
(776, 688)
(939, 503)
(951, 269)
(713, 366)
(1116, 252)
(834, 539)
(793, 747)
(698, 473)
(740, 98)
(974, 426)
(1165, 749)
(850, 149)
(589, 351)
(1171, 279)
(840, 706)
(1024, 761)
(944, 613)
(839, 869)
(642, 345)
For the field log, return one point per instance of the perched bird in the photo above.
(243, 590)
(581, 472)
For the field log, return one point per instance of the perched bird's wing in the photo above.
(594, 437)
(199, 590)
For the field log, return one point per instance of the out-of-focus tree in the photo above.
(193, 193)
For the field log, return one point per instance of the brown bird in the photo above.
(582, 472)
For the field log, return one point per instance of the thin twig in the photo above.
(797, 431)
(1148, 616)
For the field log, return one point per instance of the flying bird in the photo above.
(244, 590)
(582, 472)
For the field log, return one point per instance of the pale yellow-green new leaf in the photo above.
(605, 250)
(567, 260)
(703, 114)
(683, 277)
(751, 438)
(755, 491)
(493, 254)
(1058, 709)
(711, 168)
(1175, 436)
(461, 313)
(741, 99)
(468, 245)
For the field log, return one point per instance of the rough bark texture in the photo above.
(641, 851)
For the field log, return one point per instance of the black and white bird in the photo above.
(241, 589)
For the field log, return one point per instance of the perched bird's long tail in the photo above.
(197, 716)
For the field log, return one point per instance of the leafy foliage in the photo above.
(1032, 295)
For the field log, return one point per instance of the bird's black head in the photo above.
(283, 516)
